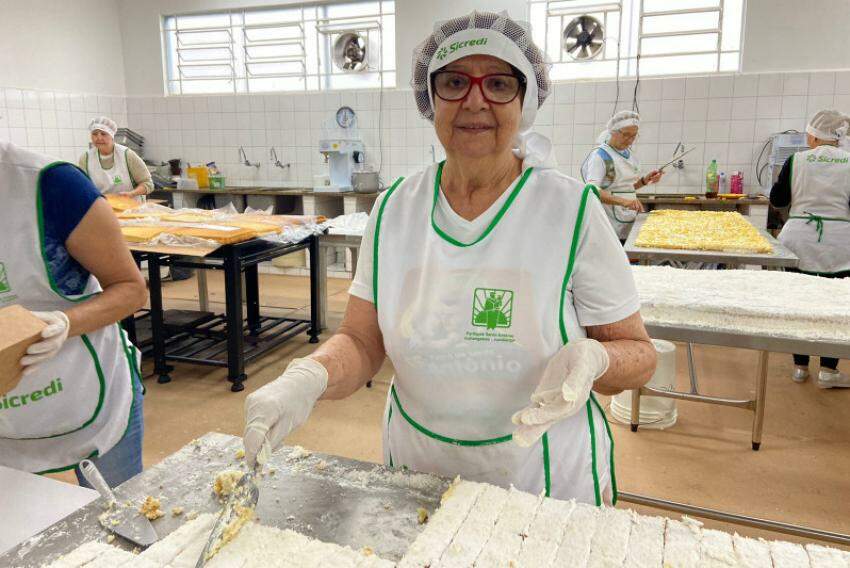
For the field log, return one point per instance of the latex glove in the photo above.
(281, 406)
(563, 390)
(52, 339)
(653, 177)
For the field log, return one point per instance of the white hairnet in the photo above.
(622, 119)
(485, 33)
(105, 124)
(828, 125)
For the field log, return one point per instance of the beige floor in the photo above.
(801, 475)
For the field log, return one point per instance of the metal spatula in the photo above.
(128, 522)
(245, 494)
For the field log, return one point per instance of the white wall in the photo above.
(789, 35)
(61, 45)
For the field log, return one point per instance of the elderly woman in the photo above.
(613, 168)
(816, 186)
(112, 167)
(494, 286)
(80, 395)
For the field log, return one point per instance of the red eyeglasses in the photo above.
(497, 88)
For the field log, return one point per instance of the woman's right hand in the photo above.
(281, 406)
(633, 204)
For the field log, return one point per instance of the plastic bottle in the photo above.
(736, 182)
(721, 183)
(711, 180)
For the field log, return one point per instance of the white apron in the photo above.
(116, 179)
(77, 404)
(469, 328)
(818, 227)
(624, 173)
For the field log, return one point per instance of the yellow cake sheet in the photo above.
(701, 230)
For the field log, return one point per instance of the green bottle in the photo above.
(711, 180)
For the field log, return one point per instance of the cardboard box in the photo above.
(18, 330)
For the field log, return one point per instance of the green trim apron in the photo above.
(469, 328)
(818, 227)
(116, 179)
(77, 404)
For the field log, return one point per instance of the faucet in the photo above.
(274, 159)
(680, 163)
(244, 159)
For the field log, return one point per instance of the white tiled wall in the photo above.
(52, 122)
(726, 117)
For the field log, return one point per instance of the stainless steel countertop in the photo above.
(780, 257)
(325, 497)
(726, 338)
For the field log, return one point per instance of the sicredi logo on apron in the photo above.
(492, 309)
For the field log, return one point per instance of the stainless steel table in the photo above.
(329, 498)
(764, 345)
(327, 241)
(781, 257)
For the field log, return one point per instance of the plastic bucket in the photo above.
(655, 411)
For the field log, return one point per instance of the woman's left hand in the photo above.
(563, 390)
(653, 177)
(52, 339)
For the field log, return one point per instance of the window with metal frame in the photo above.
(286, 48)
(642, 37)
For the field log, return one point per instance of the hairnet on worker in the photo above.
(828, 125)
(495, 34)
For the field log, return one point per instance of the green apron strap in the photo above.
(377, 240)
(611, 440)
(818, 221)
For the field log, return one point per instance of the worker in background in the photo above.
(112, 167)
(816, 185)
(493, 285)
(613, 168)
(65, 260)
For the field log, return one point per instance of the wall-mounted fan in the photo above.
(349, 52)
(584, 38)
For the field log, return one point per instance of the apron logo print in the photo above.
(116, 180)
(492, 308)
(4, 280)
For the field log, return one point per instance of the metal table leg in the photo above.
(318, 299)
(233, 314)
(157, 320)
(252, 297)
(322, 276)
(761, 391)
(203, 291)
(634, 420)
(692, 373)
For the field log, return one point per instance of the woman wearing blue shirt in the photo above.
(80, 395)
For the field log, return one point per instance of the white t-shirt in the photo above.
(602, 285)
